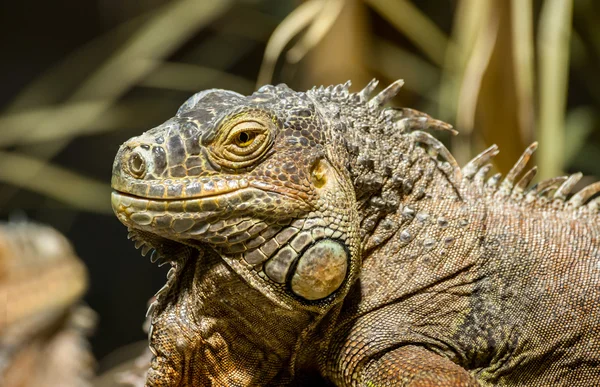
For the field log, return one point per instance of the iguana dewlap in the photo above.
(320, 238)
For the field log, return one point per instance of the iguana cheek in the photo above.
(320, 270)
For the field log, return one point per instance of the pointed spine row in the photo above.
(560, 186)
(413, 122)
(436, 148)
(405, 119)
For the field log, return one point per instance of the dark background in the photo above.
(50, 49)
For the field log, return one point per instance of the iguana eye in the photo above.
(242, 142)
(246, 138)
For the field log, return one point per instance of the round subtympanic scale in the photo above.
(320, 270)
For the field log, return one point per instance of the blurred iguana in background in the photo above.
(42, 329)
(320, 237)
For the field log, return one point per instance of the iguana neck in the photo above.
(215, 329)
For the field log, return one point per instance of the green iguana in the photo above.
(320, 238)
(42, 329)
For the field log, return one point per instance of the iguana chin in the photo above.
(320, 237)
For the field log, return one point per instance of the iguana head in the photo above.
(259, 179)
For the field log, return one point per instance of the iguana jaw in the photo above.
(202, 218)
(229, 224)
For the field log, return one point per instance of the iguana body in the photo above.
(319, 237)
(42, 330)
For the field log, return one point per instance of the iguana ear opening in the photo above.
(320, 172)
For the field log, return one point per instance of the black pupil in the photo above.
(244, 137)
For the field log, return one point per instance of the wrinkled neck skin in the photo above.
(213, 329)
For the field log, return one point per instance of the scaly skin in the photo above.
(42, 331)
(319, 238)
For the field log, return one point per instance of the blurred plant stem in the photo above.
(489, 78)
(416, 26)
(469, 17)
(342, 54)
(317, 30)
(470, 89)
(395, 63)
(298, 20)
(521, 13)
(498, 114)
(58, 183)
(553, 45)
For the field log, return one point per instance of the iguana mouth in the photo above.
(187, 188)
(200, 188)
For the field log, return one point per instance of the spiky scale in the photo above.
(594, 205)
(365, 93)
(386, 95)
(410, 119)
(524, 182)
(585, 194)
(150, 331)
(543, 187)
(162, 291)
(151, 309)
(479, 178)
(473, 166)
(154, 256)
(493, 181)
(509, 181)
(437, 145)
(145, 250)
(566, 187)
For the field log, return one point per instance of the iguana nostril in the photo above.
(136, 165)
